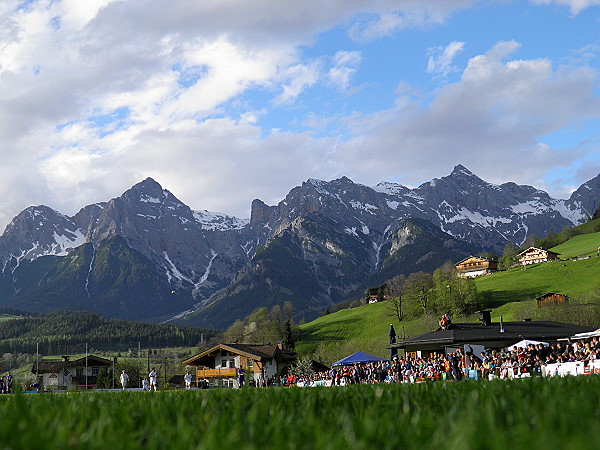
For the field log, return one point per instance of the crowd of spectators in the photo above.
(457, 365)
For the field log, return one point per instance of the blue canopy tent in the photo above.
(358, 358)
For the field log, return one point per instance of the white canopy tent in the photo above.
(589, 334)
(525, 343)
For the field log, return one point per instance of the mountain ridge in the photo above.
(340, 233)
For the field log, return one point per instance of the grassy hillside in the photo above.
(574, 278)
(582, 245)
(510, 294)
(365, 328)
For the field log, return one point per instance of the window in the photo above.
(95, 371)
(232, 363)
(250, 363)
(224, 364)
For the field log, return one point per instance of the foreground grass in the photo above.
(534, 413)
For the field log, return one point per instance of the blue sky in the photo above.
(223, 102)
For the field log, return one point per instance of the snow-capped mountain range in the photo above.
(342, 233)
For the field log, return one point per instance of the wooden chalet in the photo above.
(535, 255)
(219, 365)
(474, 266)
(70, 374)
(551, 298)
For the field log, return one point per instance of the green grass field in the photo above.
(5, 317)
(574, 278)
(582, 245)
(531, 413)
(364, 328)
(510, 294)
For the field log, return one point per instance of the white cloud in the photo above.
(441, 58)
(576, 6)
(345, 65)
(298, 78)
(495, 118)
(169, 69)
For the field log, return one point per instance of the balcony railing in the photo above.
(215, 373)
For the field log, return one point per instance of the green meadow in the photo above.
(530, 413)
(510, 294)
(582, 245)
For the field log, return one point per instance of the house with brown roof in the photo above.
(535, 255)
(551, 298)
(219, 365)
(474, 266)
(70, 374)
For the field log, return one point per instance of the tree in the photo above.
(596, 214)
(509, 256)
(395, 307)
(288, 311)
(105, 379)
(530, 241)
(418, 290)
(235, 332)
(289, 340)
(302, 367)
(395, 286)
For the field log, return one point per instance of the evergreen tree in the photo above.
(289, 340)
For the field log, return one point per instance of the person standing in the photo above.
(8, 382)
(145, 384)
(152, 377)
(241, 377)
(124, 379)
(188, 380)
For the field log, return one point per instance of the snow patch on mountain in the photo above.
(475, 217)
(63, 243)
(214, 221)
(394, 189)
(529, 207)
(173, 272)
(351, 231)
(576, 216)
(147, 199)
(204, 277)
(364, 206)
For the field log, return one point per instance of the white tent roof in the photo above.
(589, 334)
(524, 343)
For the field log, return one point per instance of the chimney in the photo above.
(486, 318)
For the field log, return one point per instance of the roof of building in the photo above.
(550, 252)
(548, 294)
(56, 366)
(495, 335)
(256, 352)
(476, 257)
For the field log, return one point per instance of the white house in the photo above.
(219, 365)
(70, 374)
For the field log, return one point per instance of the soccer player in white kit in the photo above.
(124, 379)
(188, 380)
(152, 376)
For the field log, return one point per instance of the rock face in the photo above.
(147, 256)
